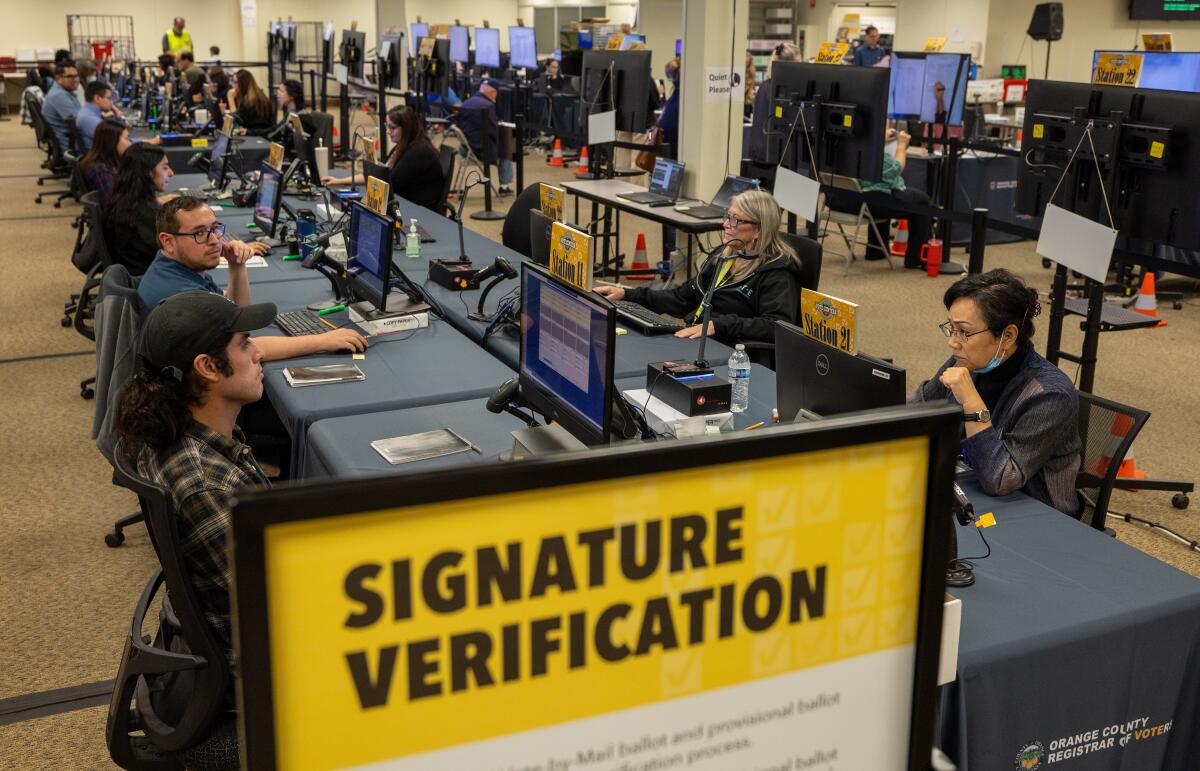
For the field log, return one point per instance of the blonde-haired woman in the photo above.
(754, 290)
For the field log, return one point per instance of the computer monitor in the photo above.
(618, 80)
(522, 48)
(369, 255)
(1153, 202)
(460, 45)
(353, 52)
(914, 75)
(306, 154)
(812, 376)
(391, 58)
(540, 230)
(1163, 71)
(218, 161)
(418, 30)
(584, 40)
(667, 177)
(487, 47)
(847, 104)
(1163, 10)
(567, 344)
(630, 39)
(270, 195)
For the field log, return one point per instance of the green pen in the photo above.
(291, 257)
(334, 309)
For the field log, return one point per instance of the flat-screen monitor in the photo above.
(567, 342)
(369, 254)
(915, 77)
(354, 50)
(218, 162)
(522, 48)
(540, 230)
(418, 30)
(1160, 10)
(1162, 71)
(487, 47)
(1153, 204)
(849, 104)
(630, 39)
(306, 154)
(584, 40)
(391, 56)
(460, 45)
(618, 80)
(812, 376)
(270, 194)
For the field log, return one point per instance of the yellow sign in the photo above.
(615, 41)
(426, 46)
(366, 146)
(294, 122)
(275, 156)
(441, 31)
(832, 52)
(1117, 69)
(848, 120)
(1039, 130)
(1160, 42)
(830, 320)
(199, 141)
(571, 256)
(377, 195)
(227, 125)
(1156, 149)
(483, 633)
(934, 43)
(551, 200)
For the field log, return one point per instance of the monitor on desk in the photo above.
(390, 54)
(1164, 71)
(218, 161)
(487, 47)
(523, 48)
(914, 75)
(820, 379)
(567, 343)
(270, 195)
(369, 255)
(619, 81)
(419, 29)
(353, 52)
(460, 45)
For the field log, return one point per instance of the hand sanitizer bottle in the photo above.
(412, 246)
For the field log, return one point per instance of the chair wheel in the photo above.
(58, 204)
(1177, 305)
(113, 540)
(38, 199)
(65, 321)
(87, 393)
(41, 182)
(1045, 263)
(1180, 500)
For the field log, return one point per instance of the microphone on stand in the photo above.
(462, 202)
(701, 362)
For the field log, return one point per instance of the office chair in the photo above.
(90, 254)
(173, 687)
(810, 254)
(467, 160)
(854, 220)
(446, 159)
(515, 232)
(56, 160)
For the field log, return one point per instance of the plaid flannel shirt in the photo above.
(202, 472)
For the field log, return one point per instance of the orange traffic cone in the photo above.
(900, 240)
(556, 158)
(1147, 301)
(583, 163)
(639, 261)
(1120, 428)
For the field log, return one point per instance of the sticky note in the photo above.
(359, 357)
(1156, 149)
(987, 520)
(847, 120)
(199, 142)
(1039, 130)
(778, 112)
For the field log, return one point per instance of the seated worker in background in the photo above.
(98, 107)
(129, 216)
(554, 78)
(60, 106)
(1020, 411)
(416, 172)
(478, 115)
(186, 64)
(176, 420)
(189, 238)
(41, 76)
(214, 56)
(99, 166)
(882, 198)
(869, 53)
(289, 95)
(754, 290)
(761, 114)
(250, 105)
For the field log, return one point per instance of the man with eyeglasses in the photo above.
(190, 245)
(61, 106)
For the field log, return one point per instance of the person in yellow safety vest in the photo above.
(177, 39)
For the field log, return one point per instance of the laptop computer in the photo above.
(720, 202)
(665, 183)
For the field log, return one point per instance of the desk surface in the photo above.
(1066, 630)
(606, 191)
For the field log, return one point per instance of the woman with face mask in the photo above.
(1019, 411)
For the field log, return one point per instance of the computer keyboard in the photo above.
(299, 323)
(645, 319)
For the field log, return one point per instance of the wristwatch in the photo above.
(983, 416)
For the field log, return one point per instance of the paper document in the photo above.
(423, 446)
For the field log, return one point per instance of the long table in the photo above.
(253, 151)
(1066, 632)
(342, 446)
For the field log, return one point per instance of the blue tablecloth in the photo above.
(254, 150)
(342, 446)
(1068, 631)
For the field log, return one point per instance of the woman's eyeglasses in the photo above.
(736, 220)
(949, 330)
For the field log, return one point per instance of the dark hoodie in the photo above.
(741, 310)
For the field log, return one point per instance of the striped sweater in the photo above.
(1033, 444)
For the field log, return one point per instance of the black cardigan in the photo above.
(133, 246)
(417, 176)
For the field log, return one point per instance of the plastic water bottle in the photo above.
(739, 378)
(412, 247)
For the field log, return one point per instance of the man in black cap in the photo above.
(478, 115)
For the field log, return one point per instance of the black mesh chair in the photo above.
(172, 687)
(515, 232)
(1107, 430)
(810, 254)
(56, 161)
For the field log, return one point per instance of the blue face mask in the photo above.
(995, 362)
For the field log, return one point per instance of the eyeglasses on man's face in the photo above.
(202, 236)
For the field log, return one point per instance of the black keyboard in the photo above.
(648, 198)
(703, 211)
(300, 323)
(645, 319)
